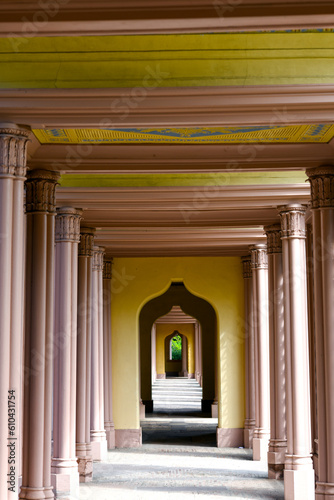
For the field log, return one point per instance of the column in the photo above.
(64, 465)
(38, 366)
(107, 380)
(322, 199)
(249, 353)
(97, 431)
(259, 264)
(13, 145)
(83, 445)
(277, 443)
(196, 351)
(184, 370)
(154, 352)
(298, 473)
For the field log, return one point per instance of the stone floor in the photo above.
(179, 461)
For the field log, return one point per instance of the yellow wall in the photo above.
(215, 279)
(163, 330)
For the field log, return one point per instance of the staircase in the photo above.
(176, 395)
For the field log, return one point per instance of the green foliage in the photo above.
(176, 348)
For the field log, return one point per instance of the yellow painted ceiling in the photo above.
(149, 61)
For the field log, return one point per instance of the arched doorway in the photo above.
(177, 294)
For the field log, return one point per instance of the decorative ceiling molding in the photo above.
(160, 221)
(169, 107)
(82, 17)
(176, 316)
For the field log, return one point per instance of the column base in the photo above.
(65, 478)
(191, 375)
(110, 435)
(214, 409)
(99, 446)
(276, 458)
(324, 491)
(299, 484)
(183, 373)
(229, 438)
(128, 438)
(161, 376)
(260, 448)
(248, 438)
(28, 493)
(85, 462)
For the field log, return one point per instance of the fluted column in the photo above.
(13, 145)
(259, 264)
(64, 465)
(322, 198)
(298, 473)
(249, 354)
(277, 443)
(83, 445)
(40, 208)
(97, 431)
(108, 415)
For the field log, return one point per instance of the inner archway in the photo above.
(177, 294)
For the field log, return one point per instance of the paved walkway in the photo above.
(179, 461)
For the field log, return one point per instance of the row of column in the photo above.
(278, 347)
(66, 335)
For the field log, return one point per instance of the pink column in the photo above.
(322, 197)
(154, 352)
(298, 473)
(13, 143)
(64, 465)
(277, 443)
(40, 207)
(259, 263)
(184, 370)
(249, 353)
(108, 415)
(97, 431)
(83, 445)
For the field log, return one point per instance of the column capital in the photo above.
(274, 242)
(13, 150)
(322, 186)
(247, 266)
(86, 243)
(98, 253)
(259, 256)
(41, 191)
(293, 221)
(107, 265)
(68, 224)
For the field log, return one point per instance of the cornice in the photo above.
(171, 107)
(169, 16)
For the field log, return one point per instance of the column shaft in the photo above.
(249, 354)
(322, 198)
(83, 446)
(259, 264)
(40, 206)
(64, 466)
(277, 443)
(13, 143)
(97, 431)
(108, 415)
(298, 473)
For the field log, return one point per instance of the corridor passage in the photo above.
(179, 459)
